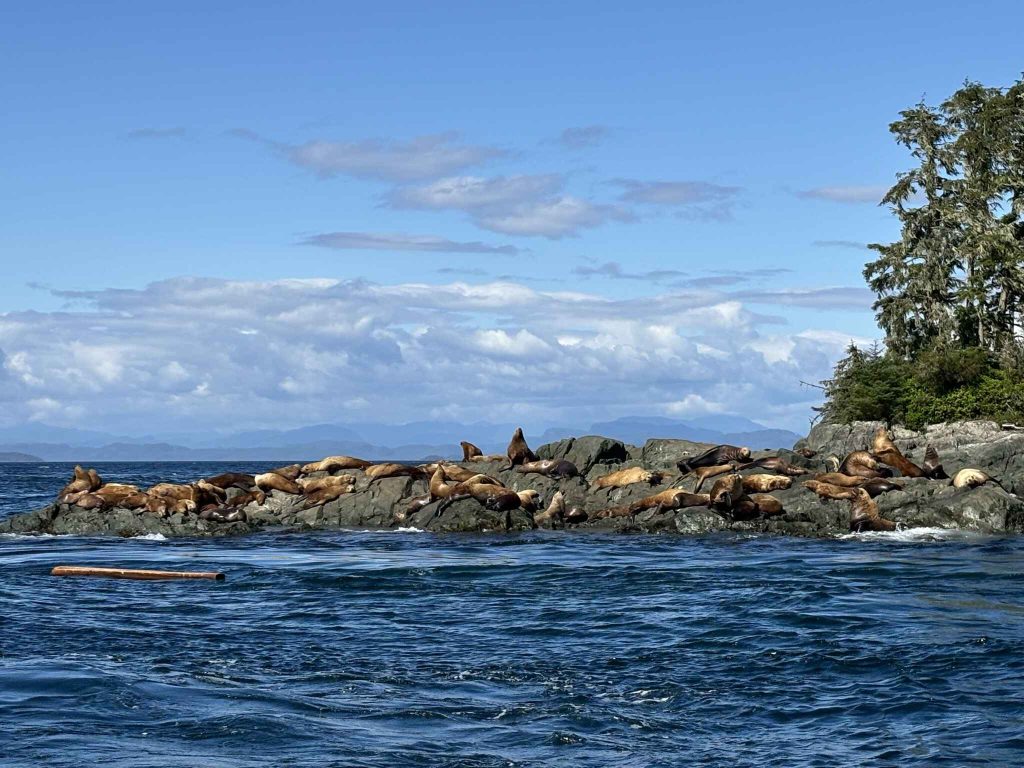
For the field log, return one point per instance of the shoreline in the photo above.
(389, 503)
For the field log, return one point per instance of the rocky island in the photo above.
(672, 486)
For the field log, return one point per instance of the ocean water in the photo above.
(544, 649)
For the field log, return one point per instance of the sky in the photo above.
(229, 216)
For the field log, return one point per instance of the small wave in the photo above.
(915, 535)
(150, 537)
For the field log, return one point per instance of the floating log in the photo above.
(130, 573)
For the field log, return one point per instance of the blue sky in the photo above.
(606, 197)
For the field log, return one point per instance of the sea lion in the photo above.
(334, 463)
(766, 483)
(470, 451)
(720, 454)
(874, 486)
(972, 478)
(879, 485)
(272, 481)
(807, 453)
(673, 498)
(557, 468)
(624, 477)
(726, 492)
(776, 464)
(209, 490)
(239, 480)
(863, 464)
(89, 500)
(257, 497)
(495, 498)
(829, 491)
(391, 469)
(575, 516)
(885, 450)
(82, 480)
(457, 473)
(325, 489)
(221, 515)
(554, 515)
(932, 465)
(529, 500)
(158, 505)
(864, 515)
(703, 473)
(758, 505)
(291, 472)
(518, 451)
(312, 485)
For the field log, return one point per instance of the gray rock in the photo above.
(587, 451)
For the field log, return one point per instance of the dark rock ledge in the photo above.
(989, 508)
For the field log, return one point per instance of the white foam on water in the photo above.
(915, 535)
(150, 537)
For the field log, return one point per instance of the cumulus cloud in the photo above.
(382, 241)
(233, 354)
(156, 133)
(583, 136)
(528, 205)
(849, 193)
(698, 199)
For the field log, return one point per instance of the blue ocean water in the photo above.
(544, 649)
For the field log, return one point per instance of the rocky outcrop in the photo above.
(385, 503)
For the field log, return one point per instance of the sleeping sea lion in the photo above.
(703, 473)
(575, 516)
(222, 515)
(518, 451)
(291, 472)
(557, 468)
(272, 481)
(885, 450)
(874, 486)
(776, 464)
(864, 515)
(863, 464)
(624, 477)
(239, 480)
(391, 469)
(673, 498)
(757, 505)
(245, 499)
(720, 454)
(553, 516)
(972, 478)
(334, 463)
(829, 491)
(764, 483)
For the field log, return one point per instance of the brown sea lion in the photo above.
(291, 472)
(703, 473)
(720, 454)
(239, 480)
(885, 450)
(518, 451)
(325, 489)
(554, 515)
(863, 464)
(932, 465)
(673, 498)
(829, 491)
(470, 451)
(838, 478)
(492, 497)
(210, 490)
(312, 485)
(173, 491)
(390, 469)
(272, 481)
(334, 463)
(83, 480)
(864, 515)
(557, 468)
(972, 478)
(529, 500)
(576, 515)
(758, 505)
(457, 473)
(158, 505)
(762, 483)
(726, 492)
(624, 477)
(807, 453)
(245, 499)
(879, 485)
(776, 464)
(89, 500)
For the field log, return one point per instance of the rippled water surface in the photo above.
(384, 649)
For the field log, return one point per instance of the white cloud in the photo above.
(528, 205)
(171, 354)
(846, 193)
(382, 241)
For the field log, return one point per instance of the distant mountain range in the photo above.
(417, 440)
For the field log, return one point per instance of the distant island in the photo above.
(15, 457)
